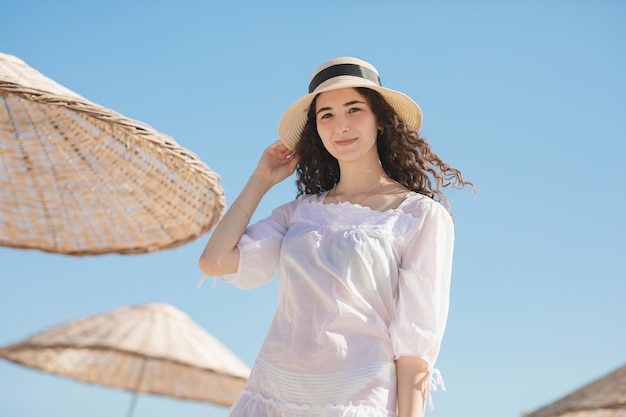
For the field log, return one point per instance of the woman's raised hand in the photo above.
(277, 163)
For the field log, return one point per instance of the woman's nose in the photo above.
(342, 125)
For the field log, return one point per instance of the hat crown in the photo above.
(336, 69)
(343, 60)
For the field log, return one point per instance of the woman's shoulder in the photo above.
(290, 206)
(421, 206)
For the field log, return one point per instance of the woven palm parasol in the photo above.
(79, 179)
(604, 397)
(153, 348)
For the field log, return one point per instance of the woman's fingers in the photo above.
(281, 153)
(277, 162)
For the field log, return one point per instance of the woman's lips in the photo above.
(345, 142)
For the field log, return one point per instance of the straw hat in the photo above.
(339, 73)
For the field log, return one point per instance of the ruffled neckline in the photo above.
(321, 197)
(344, 213)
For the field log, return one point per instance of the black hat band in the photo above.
(343, 69)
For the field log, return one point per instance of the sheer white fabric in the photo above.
(358, 288)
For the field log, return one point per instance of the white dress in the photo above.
(358, 288)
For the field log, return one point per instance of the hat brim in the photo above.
(294, 118)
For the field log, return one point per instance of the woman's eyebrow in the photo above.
(348, 104)
(353, 102)
(323, 109)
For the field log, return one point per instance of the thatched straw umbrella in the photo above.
(605, 397)
(153, 348)
(79, 179)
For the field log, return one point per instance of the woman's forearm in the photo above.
(412, 386)
(221, 255)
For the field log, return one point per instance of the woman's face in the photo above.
(346, 124)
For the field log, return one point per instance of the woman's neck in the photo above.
(357, 179)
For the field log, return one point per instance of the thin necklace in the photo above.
(369, 194)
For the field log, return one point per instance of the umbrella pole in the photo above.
(133, 401)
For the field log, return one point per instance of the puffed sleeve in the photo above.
(421, 308)
(259, 248)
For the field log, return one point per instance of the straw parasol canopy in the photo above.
(605, 397)
(79, 179)
(153, 348)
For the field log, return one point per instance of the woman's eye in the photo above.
(325, 116)
(354, 109)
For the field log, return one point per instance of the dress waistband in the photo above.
(334, 388)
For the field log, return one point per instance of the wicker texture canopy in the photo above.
(79, 179)
(152, 348)
(604, 397)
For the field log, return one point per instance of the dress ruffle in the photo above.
(252, 404)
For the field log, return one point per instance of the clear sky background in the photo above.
(525, 98)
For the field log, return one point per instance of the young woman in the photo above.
(363, 254)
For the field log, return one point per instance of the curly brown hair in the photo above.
(405, 156)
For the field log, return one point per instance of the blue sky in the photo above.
(525, 98)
